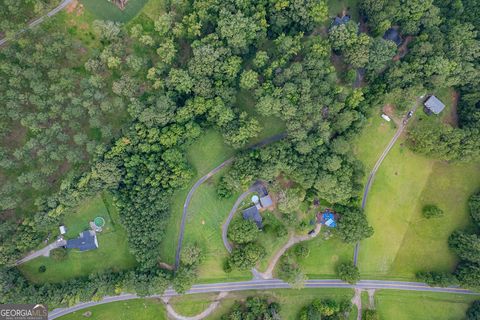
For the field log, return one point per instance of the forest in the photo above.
(120, 116)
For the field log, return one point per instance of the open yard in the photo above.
(105, 10)
(403, 305)
(138, 309)
(112, 252)
(207, 153)
(404, 242)
(291, 301)
(324, 257)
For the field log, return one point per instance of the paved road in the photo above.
(268, 285)
(197, 184)
(384, 154)
(36, 22)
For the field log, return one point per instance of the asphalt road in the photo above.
(197, 184)
(268, 285)
(37, 21)
(382, 157)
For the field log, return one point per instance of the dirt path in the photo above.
(268, 274)
(371, 299)
(205, 313)
(357, 301)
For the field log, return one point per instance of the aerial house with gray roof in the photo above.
(433, 105)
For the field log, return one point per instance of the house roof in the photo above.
(266, 201)
(434, 105)
(392, 34)
(327, 218)
(339, 21)
(253, 214)
(87, 240)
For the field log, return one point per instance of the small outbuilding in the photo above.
(87, 240)
(63, 230)
(433, 105)
(337, 21)
(266, 201)
(253, 214)
(327, 218)
(393, 34)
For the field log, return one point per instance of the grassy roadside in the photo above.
(291, 301)
(403, 305)
(138, 309)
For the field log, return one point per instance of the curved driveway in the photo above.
(268, 285)
(384, 154)
(227, 244)
(197, 184)
(37, 21)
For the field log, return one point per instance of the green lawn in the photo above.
(204, 155)
(269, 239)
(324, 257)
(291, 301)
(270, 125)
(335, 7)
(105, 10)
(404, 305)
(206, 216)
(191, 305)
(138, 309)
(404, 242)
(112, 252)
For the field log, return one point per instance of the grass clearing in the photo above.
(138, 309)
(112, 252)
(324, 257)
(408, 305)
(268, 238)
(207, 153)
(270, 125)
(335, 7)
(404, 242)
(206, 216)
(191, 305)
(104, 10)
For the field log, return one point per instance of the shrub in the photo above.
(59, 254)
(473, 312)
(281, 230)
(437, 279)
(371, 315)
(432, 211)
(302, 251)
(348, 272)
(243, 231)
(42, 269)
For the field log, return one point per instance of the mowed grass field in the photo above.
(112, 252)
(204, 155)
(324, 257)
(291, 301)
(408, 305)
(138, 309)
(105, 10)
(404, 242)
